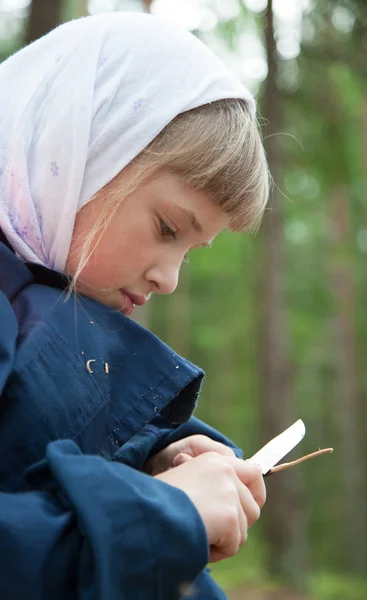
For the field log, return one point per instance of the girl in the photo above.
(124, 143)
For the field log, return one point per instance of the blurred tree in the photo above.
(347, 386)
(44, 16)
(335, 59)
(284, 518)
(178, 316)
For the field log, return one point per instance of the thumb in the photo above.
(181, 458)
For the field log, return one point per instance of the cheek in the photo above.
(109, 262)
(122, 256)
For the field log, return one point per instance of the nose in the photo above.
(164, 278)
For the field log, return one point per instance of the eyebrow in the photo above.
(194, 223)
(193, 220)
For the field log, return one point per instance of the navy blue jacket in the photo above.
(87, 395)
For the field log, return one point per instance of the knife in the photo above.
(278, 447)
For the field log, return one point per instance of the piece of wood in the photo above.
(287, 465)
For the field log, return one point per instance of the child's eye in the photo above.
(166, 231)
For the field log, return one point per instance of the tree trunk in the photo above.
(363, 391)
(147, 4)
(44, 17)
(283, 514)
(349, 414)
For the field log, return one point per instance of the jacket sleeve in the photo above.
(205, 588)
(88, 529)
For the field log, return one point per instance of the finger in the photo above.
(181, 458)
(226, 547)
(250, 475)
(249, 506)
(154, 465)
(243, 523)
(216, 554)
(258, 489)
(230, 547)
(198, 444)
(194, 445)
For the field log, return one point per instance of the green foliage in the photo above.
(330, 586)
(244, 568)
(324, 152)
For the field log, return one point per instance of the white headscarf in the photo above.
(78, 105)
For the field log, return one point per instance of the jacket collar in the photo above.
(14, 274)
(23, 274)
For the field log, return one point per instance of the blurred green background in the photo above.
(278, 320)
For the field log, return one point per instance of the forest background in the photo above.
(278, 320)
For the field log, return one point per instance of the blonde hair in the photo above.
(216, 148)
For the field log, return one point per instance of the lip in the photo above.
(137, 300)
(129, 301)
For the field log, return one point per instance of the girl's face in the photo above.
(143, 247)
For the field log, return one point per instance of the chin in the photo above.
(110, 299)
(114, 303)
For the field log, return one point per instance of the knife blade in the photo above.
(278, 447)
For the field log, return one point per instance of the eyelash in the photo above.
(167, 231)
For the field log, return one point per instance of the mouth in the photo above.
(130, 301)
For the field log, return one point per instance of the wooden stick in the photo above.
(298, 461)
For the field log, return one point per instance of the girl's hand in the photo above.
(227, 492)
(191, 446)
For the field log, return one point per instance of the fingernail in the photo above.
(256, 464)
(180, 459)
